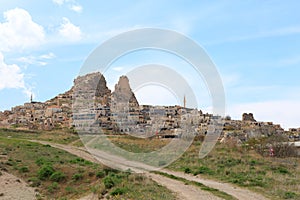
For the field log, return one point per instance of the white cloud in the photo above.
(47, 56)
(31, 60)
(283, 112)
(37, 60)
(11, 77)
(69, 30)
(19, 32)
(76, 8)
(146, 95)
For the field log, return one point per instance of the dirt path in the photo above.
(237, 192)
(184, 192)
(13, 188)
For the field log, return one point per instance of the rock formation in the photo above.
(123, 92)
(248, 117)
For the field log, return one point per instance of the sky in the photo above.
(255, 46)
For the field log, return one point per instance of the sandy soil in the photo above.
(13, 188)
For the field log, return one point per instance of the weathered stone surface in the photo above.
(248, 117)
(123, 92)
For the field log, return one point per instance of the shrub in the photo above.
(119, 191)
(289, 195)
(58, 176)
(24, 169)
(100, 174)
(52, 187)
(108, 182)
(41, 161)
(187, 170)
(77, 177)
(280, 145)
(204, 170)
(282, 170)
(45, 172)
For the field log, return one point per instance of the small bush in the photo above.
(58, 176)
(282, 170)
(204, 170)
(41, 161)
(23, 169)
(52, 187)
(77, 177)
(108, 182)
(187, 170)
(77, 161)
(45, 172)
(100, 174)
(289, 195)
(119, 191)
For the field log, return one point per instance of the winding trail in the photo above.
(234, 191)
(183, 191)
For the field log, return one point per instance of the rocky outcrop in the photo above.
(92, 87)
(123, 93)
(124, 106)
(248, 117)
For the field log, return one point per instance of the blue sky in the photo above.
(254, 45)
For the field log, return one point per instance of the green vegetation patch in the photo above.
(243, 166)
(58, 174)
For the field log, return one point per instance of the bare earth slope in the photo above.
(13, 188)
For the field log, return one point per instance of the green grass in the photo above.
(63, 136)
(58, 174)
(138, 145)
(276, 178)
(243, 167)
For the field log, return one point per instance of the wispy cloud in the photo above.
(37, 60)
(76, 8)
(71, 4)
(47, 56)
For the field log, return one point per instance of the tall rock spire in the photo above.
(123, 92)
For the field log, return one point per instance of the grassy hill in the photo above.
(57, 174)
